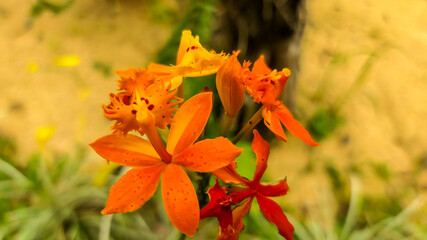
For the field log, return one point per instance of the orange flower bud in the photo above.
(229, 84)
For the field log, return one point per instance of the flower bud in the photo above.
(229, 85)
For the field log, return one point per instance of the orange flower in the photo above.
(266, 86)
(145, 99)
(230, 85)
(255, 189)
(149, 164)
(192, 60)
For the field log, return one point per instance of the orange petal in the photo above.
(294, 126)
(208, 155)
(228, 174)
(160, 69)
(262, 150)
(180, 199)
(274, 214)
(238, 213)
(230, 88)
(272, 122)
(260, 67)
(189, 121)
(128, 73)
(128, 150)
(133, 189)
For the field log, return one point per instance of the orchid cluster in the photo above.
(149, 99)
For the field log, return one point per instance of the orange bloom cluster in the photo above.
(146, 100)
(266, 87)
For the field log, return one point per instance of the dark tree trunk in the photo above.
(269, 27)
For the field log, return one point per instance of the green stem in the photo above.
(227, 124)
(255, 119)
(182, 236)
(203, 188)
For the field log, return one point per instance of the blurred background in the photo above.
(358, 84)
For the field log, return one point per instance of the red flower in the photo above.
(255, 189)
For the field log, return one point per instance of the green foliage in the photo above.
(382, 171)
(41, 6)
(161, 11)
(52, 198)
(323, 123)
(47, 200)
(7, 148)
(356, 224)
(198, 19)
(103, 67)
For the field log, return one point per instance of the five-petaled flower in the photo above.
(149, 163)
(255, 189)
(266, 86)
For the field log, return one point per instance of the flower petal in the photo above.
(262, 150)
(217, 196)
(189, 121)
(230, 88)
(133, 189)
(238, 197)
(260, 67)
(128, 150)
(228, 174)
(160, 69)
(219, 206)
(274, 214)
(194, 60)
(208, 155)
(180, 199)
(274, 190)
(238, 213)
(294, 126)
(273, 123)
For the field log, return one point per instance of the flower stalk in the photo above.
(255, 119)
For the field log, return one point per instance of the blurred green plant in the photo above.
(327, 118)
(7, 148)
(48, 200)
(52, 198)
(56, 7)
(354, 226)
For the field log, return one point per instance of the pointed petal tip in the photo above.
(106, 211)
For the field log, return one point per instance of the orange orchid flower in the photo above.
(149, 164)
(255, 189)
(145, 99)
(266, 86)
(192, 60)
(229, 83)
